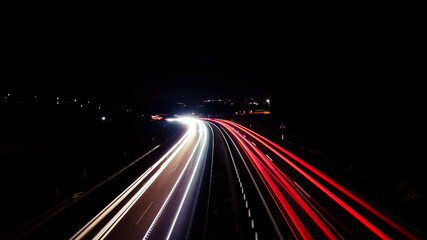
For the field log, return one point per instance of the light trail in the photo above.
(192, 146)
(101, 215)
(277, 184)
(357, 215)
(267, 209)
(281, 187)
(202, 152)
(363, 202)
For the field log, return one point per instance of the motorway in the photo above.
(223, 180)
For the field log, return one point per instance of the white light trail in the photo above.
(150, 229)
(202, 152)
(100, 216)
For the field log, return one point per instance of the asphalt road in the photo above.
(221, 180)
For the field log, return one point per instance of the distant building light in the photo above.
(57, 98)
(8, 94)
(75, 100)
(81, 105)
(57, 102)
(35, 97)
(88, 101)
(103, 118)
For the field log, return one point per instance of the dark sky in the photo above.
(144, 54)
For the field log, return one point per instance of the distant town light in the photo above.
(81, 105)
(8, 94)
(75, 100)
(57, 98)
(103, 118)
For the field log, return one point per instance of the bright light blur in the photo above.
(185, 120)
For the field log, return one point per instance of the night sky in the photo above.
(308, 55)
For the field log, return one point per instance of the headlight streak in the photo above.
(202, 152)
(367, 205)
(100, 216)
(165, 203)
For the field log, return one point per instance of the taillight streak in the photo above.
(373, 209)
(357, 215)
(270, 173)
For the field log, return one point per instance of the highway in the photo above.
(222, 180)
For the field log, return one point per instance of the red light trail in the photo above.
(287, 193)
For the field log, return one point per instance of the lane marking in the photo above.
(268, 157)
(210, 182)
(276, 228)
(143, 214)
(302, 189)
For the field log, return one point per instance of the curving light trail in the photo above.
(179, 168)
(295, 204)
